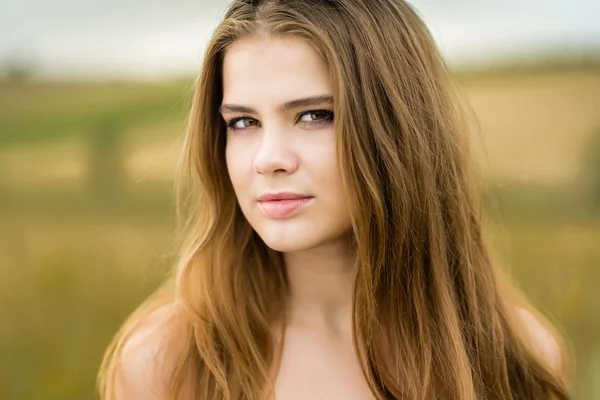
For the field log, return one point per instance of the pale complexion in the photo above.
(278, 144)
(281, 152)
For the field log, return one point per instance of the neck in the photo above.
(321, 282)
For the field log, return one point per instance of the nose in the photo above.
(275, 154)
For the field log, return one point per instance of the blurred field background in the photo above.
(87, 213)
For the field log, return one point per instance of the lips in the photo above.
(282, 205)
(282, 196)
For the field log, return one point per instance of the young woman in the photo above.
(330, 257)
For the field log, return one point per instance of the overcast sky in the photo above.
(148, 38)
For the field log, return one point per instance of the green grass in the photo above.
(73, 270)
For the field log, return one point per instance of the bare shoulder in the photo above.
(542, 339)
(148, 354)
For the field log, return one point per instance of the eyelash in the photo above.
(329, 118)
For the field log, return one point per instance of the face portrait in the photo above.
(281, 145)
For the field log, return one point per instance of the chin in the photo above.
(289, 239)
(288, 236)
(288, 243)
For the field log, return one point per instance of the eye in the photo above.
(313, 117)
(316, 116)
(245, 123)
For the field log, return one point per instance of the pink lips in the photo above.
(281, 205)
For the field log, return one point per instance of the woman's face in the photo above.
(277, 102)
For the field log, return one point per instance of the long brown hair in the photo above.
(432, 319)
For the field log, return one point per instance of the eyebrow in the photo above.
(290, 105)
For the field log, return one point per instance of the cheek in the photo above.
(327, 179)
(237, 166)
(323, 163)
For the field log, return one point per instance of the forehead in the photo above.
(271, 71)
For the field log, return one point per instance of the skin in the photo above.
(272, 150)
(280, 153)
